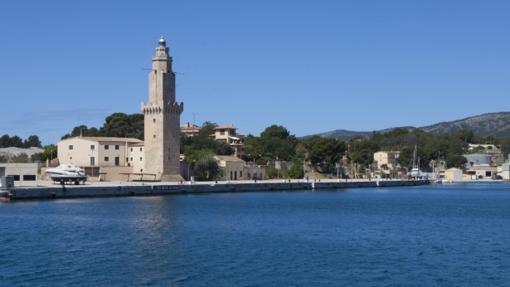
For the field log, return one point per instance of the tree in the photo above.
(361, 151)
(253, 149)
(20, 158)
(5, 141)
(272, 172)
(123, 125)
(203, 142)
(325, 152)
(455, 160)
(32, 141)
(207, 128)
(465, 135)
(83, 130)
(296, 170)
(115, 125)
(206, 168)
(50, 152)
(275, 131)
(15, 141)
(277, 143)
(505, 146)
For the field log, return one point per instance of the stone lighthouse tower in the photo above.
(162, 119)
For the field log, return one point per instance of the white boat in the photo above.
(67, 173)
(415, 172)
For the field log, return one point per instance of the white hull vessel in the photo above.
(67, 173)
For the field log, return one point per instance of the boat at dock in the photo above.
(415, 172)
(67, 173)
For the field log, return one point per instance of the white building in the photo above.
(386, 160)
(98, 151)
(482, 171)
(22, 172)
(228, 134)
(231, 167)
(190, 130)
(453, 175)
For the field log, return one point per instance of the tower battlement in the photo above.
(175, 108)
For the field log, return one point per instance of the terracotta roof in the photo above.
(229, 126)
(109, 139)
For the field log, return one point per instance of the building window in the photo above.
(222, 132)
(71, 147)
(131, 149)
(28, 177)
(241, 173)
(140, 149)
(154, 136)
(92, 161)
(153, 120)
(70, 158)
(106, 146)
(116, 146)
(106, 158)
(127, 159)
(92, 147)
(141, 158)
(117, 161)
(131, 159)
(16, 177)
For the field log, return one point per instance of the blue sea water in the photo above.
(449, 235)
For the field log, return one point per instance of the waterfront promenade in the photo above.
(48, 190)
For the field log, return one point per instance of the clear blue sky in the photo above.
(311, 66)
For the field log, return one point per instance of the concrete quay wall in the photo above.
(147, 189)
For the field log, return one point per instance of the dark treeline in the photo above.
(115, 125)
(49, 151)
(16, 141)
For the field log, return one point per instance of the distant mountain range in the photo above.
(491, 124)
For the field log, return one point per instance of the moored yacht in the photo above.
(67, 173)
